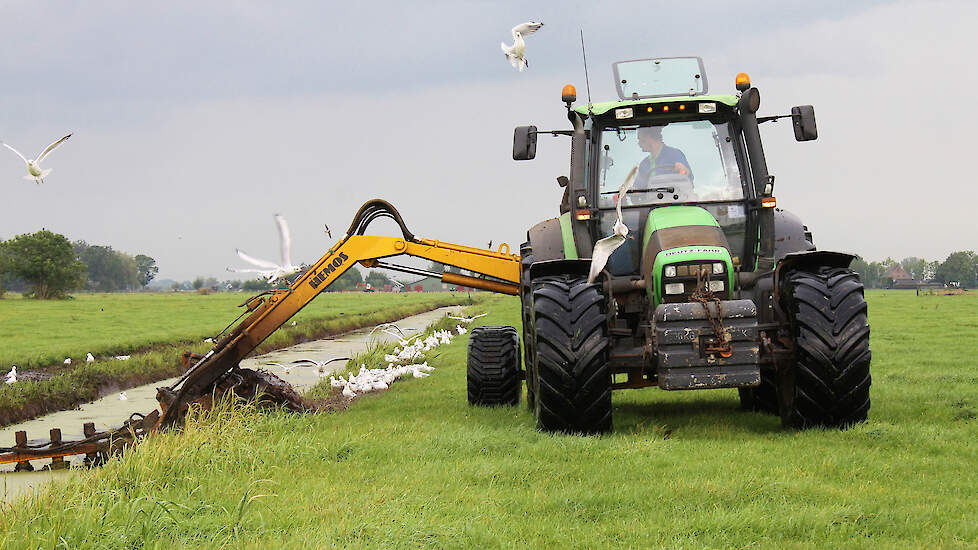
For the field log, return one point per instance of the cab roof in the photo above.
(602, 108)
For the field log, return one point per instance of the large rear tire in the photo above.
(570, 344)
(493, 370)
(828, 384)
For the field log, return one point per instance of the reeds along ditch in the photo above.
(88, 381)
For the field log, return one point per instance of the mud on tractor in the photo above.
(714, 286)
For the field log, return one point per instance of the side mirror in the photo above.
(803, 121)
(524, 142)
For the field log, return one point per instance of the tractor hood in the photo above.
(689, 239)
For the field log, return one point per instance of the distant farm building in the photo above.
(897, 278)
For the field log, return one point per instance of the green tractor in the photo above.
(712, 286)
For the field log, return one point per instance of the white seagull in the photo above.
(122, 396)
(467, 319)
(34, 165)
(12, 375)
(285, 368)
(89, 358)
(385, 327)
(67, 361)
(604, 247)
(268, 269)
(515, 53)
(320, 365)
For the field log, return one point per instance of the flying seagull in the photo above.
(604, 247)
(515, 53)
(320, 365)
(467, 319)
(34, 165)
(268, 269)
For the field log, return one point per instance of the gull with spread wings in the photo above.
(34, 165)
(604, 247)
(516, 53)
(268, 269)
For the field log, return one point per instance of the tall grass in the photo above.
(417, 467)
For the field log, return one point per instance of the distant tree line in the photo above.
(958, 269)
(47, 265)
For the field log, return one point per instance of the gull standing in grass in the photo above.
(516, 53)
(89, 358)
(270, 270)
(67, 361)
(12, 375)
(34, 165)
(604, 247)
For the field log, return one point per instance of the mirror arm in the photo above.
(763, 119)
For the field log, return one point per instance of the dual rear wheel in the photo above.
(568, 380)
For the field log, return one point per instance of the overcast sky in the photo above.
(195, 122)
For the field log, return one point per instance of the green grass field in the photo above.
(155, 329)
(43, 332)
(417, 467)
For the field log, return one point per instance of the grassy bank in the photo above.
(416, 466)
(40, 333)
(70, 386)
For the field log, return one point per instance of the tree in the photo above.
(253, 285)
(916, 267)
(870, 273)
(107, 270)
(959, 267)
(145, 268)
(377, 280)
(45, 261)
(346, 281)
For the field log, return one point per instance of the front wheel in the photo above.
(570, 344)
(828, 383)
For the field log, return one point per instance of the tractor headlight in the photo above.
(717, 268)
(675, 288)
(670, 271)
(716, 286)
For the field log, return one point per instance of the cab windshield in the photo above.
(678, 162)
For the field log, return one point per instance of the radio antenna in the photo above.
(587, 83)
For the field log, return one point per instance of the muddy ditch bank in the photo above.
(109, 411)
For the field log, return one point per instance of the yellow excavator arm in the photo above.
(267, 312)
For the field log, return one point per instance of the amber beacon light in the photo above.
(568, 94)
(742, 81)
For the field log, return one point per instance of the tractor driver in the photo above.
(662, 159)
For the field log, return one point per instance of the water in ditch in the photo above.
(111, 411)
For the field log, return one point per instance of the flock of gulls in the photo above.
(408, 358)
